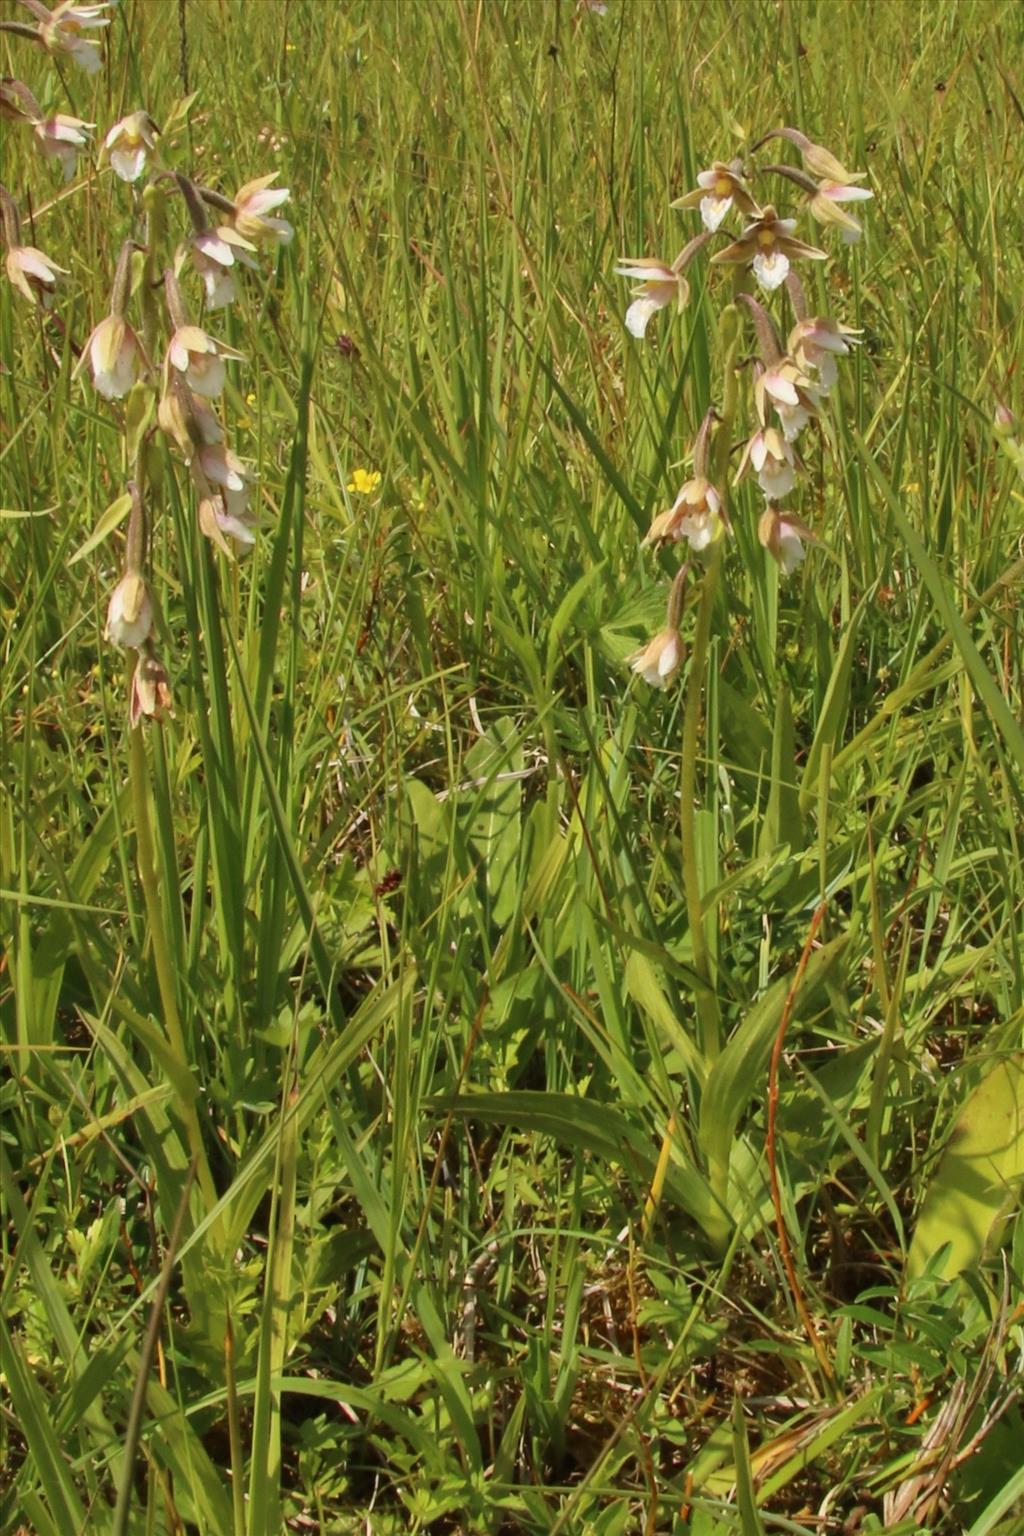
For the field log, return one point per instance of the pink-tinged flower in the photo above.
(201, 359)
(223, 468)
(767, 245)
(816, 343)
(253, 204)
(716, 192)
(773, 462)
(128, 143)
(33, 274)
(660, 659)
(696, 515)
(214, 253)
(150, 691)
(825, 207)
(115, 356)
(184, 417)
(782, 535)
(227, 516)
(785, 388)
(60, 138)
(657, 285)
(130, 612)
(62, 30)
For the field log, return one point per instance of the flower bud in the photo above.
(659, 661)
(150, 691)
(130, 612)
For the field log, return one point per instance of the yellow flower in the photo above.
(364, 481)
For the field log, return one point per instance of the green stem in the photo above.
(707, 1001)
(138, 768)
(708, 1014)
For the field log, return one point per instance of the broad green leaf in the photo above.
(495, 831)
(738, 1076)
(594, 1127)
(978, 1178)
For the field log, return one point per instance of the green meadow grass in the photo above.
(364, 1165)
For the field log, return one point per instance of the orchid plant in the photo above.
(123, 359)
(789, 386)
(788, 391)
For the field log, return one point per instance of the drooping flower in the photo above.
(60, 138)
(200, 359)
(62, 30)
(783, 535)
(227, 516)
(657, 284)
(128, 143)
(33, 274)
(825, 207)
(115, 356)
(150, 692)
(129, 612)
(818, 161)
(223, 468)
(716, 192)
(253, 205)
(767, 245)
(660, 659)
(213, 257)
(795, 399)
(696, 515)
(773, 462)
(817, 342)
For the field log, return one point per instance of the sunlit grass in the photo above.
(415, 824)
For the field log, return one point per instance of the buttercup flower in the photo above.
(364, 481)
(659, 660)
(767, 244)
(128, 143)
(253, 204)
(33, 274)
(60, 138)
(783, 534)
(201, 359)
(716, 191)
(150, 692)
(61, 30)
(130, 612)
(817, 342)
(696, 515)
(772, 460)
(658, 284)
(115, 355)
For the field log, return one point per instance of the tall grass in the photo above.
(390, 942)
